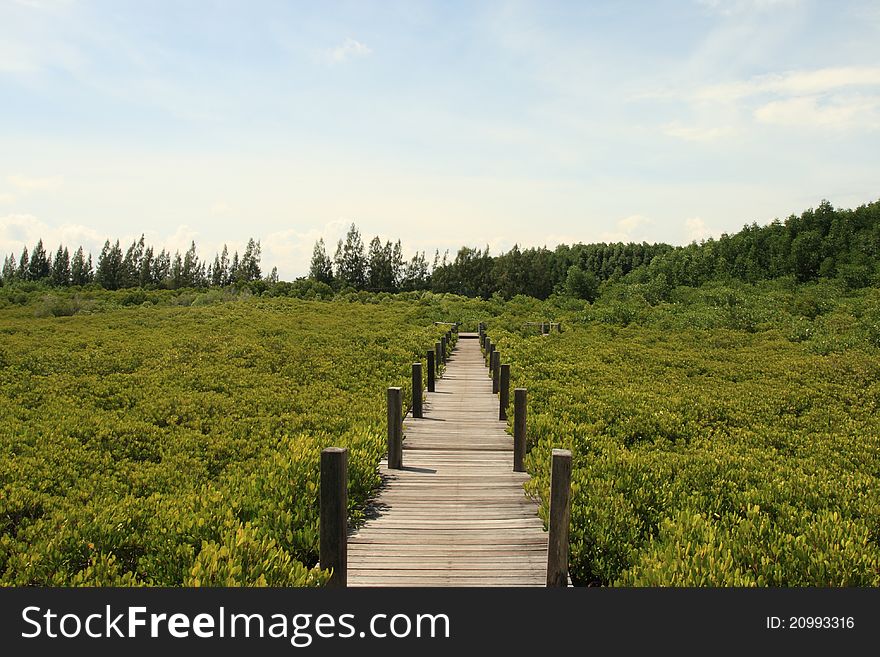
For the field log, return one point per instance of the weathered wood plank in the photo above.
(455, 514)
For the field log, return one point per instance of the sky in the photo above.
(439, 123)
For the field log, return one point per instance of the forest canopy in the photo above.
(822, 242)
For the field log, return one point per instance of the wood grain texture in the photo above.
(455, 514)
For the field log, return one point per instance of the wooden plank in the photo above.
(456, 513)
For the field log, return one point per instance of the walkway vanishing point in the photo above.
(456, 514)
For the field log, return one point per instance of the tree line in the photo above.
(139, 266)
(819, 243)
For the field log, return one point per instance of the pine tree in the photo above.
(161, 268)
(191, 270)
(9, 270)
(377, 265)
(109, 274)
(129, 275)
(321, 269)
(350, 260)
(250, 262)
(176, 277)
(233, 269)
(224, 266)
(220, 269)
(273, 276)
(38, 267)
(145, 272)
(397, 265)
(61, 267)
(216, 277)
(77, 268)
(23, 262)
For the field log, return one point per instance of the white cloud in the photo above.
(696, 133)
(734, 7)
(845, 97)
(348, 49)
(6, 197)
(814, 111)
(696, 229)
(626, 229)
(44, 5)
(817, 81)
(291, 249)
(27, 184)
(23, 230)
(219, 208)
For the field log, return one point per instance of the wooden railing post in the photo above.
(333, 545)
(443, 349)
(395, 428)
(519, 429)
(560, 516)
(431, 375)
(504, 391)
(417, 389)
(438, 360)
(496, 367)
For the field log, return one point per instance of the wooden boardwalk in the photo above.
(456, 514)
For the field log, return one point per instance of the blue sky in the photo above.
(441, 123)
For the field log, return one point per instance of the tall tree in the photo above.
(350, 260)
(78, 273)
(38, 267)
(61, 267)
(109, 270)
(23, 262)
(321, 268)
(130, 271)
(191, 272)
(397, 265)
(146, 274)
(234, 269)
(9, 269)
(380, 274)
(220, 269)
(162, 269)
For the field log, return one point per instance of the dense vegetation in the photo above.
(720, 400)
(179, 445)
(821, 243)
(729, 436)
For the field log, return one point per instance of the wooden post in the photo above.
(519, 429)
(496, 371)
(417, 389)
(443, 349)
(489, 351)
(437, 358)
(431, 375)
(504, 391)
(560, 516)
(395, 429)
(333, 545)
